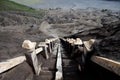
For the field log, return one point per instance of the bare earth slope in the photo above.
(15, 27)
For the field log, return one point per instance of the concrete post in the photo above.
(32, 59)
(44, 46)
(46, 52)
(49, 47)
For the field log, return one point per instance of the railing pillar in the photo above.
(32, 60)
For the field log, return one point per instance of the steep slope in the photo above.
(12, 13)
(7, 5)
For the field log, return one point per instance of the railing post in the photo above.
(47, 41)
(32, 60)
(43, 44)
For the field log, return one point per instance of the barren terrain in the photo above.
(15, 27)
(86, 24)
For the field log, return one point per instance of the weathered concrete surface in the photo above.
(27, 44)
(21, 72)
(89, 44)
(111, 65)
(32, 60)
(11, 63)
(59, 73)
(44, 46)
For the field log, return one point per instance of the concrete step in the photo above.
(70, 68)
(68, 62)
(72, 76)
(44, 77)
